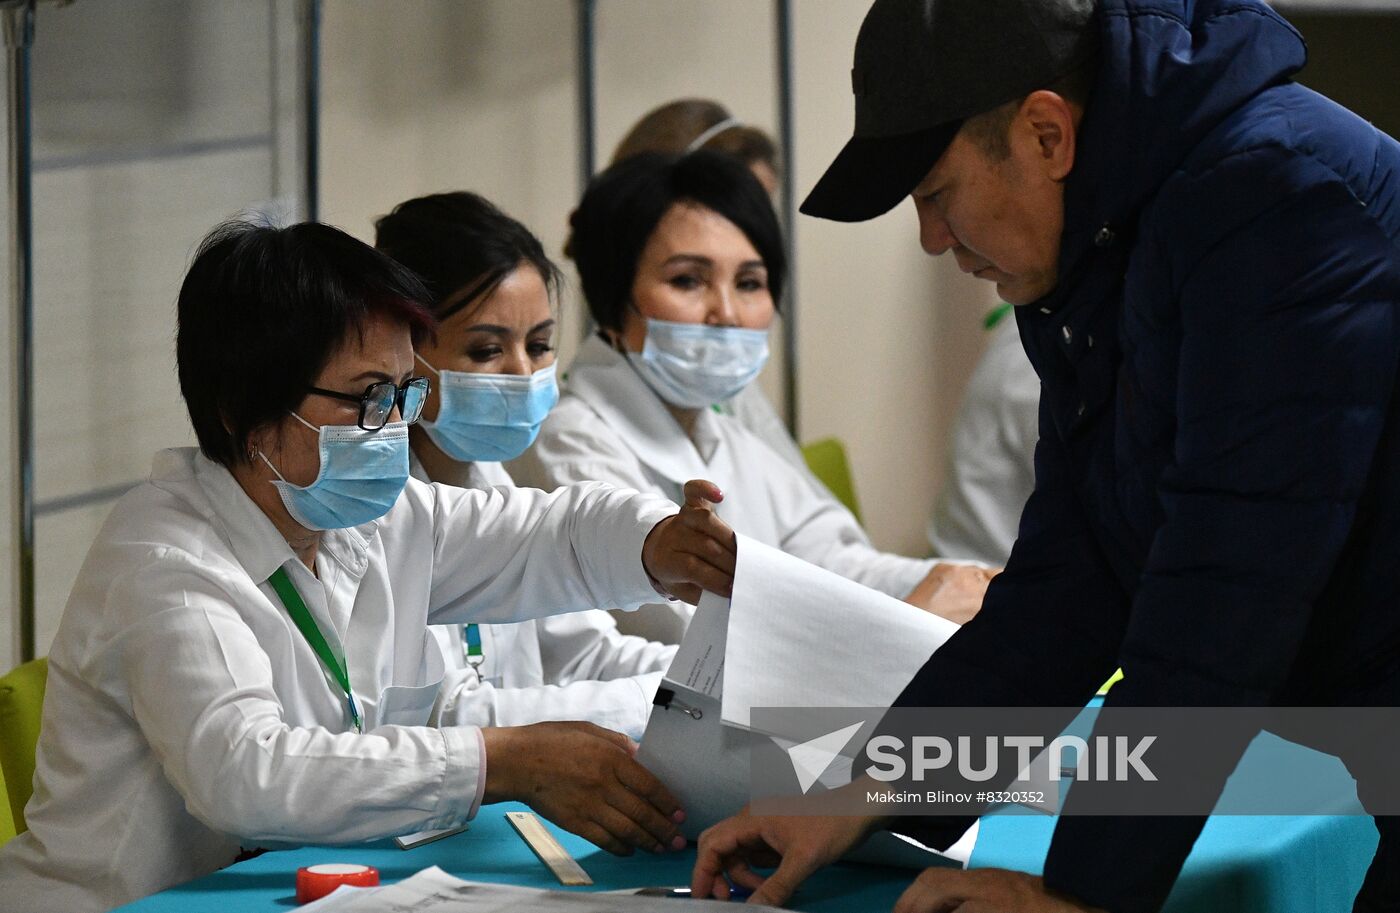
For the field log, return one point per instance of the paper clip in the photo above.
(666, 698)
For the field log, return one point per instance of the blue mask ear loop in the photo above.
(425, 364)
(436, 373)
(262, 456)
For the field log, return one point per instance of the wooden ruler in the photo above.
(548, 849)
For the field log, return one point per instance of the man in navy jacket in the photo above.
(1205, 259)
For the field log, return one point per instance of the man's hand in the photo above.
(983, 891)
(797, 845)
(584, 779)
(693, 550)
(953, 591)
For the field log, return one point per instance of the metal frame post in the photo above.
(587, 91)
(787, 142)
(586, 77)
(311, 91)
(19, 39)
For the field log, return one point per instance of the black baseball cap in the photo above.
(922, 67)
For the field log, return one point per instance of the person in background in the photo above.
(492, 370)
(681, 263)
(688, 125)
(991, 463)
(244, 662)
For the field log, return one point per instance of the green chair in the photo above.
(7, 821)
(827, 460)
(21, 704)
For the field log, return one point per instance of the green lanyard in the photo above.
(307, 625)
(995, 315)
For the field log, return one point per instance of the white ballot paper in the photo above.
(434, 891)
(792, 635)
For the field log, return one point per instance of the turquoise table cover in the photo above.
(1243, 863)
(491, 851)
(1240, 864)
(1257, 864)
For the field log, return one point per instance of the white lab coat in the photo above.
(751, 408)
(991, 470)
(610, 426)
(566, 667)
(187, 719)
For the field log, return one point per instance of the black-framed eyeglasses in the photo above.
(379, 399)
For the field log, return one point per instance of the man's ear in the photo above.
(1048, 125)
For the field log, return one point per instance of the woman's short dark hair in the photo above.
(263, 309)
(460, 241)
(623, 205)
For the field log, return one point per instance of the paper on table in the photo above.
(801, 636)
(434, 891)
(336, 901)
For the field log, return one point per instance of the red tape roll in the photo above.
(316, 881)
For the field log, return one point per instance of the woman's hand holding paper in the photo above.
(693, 550)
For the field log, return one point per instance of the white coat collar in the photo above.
(251, 536)
(473, 475)
(604, 379)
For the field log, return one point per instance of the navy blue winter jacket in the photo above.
(1217, 500)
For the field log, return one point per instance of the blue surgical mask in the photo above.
(362, 475)
(694, 365)
(490, 417)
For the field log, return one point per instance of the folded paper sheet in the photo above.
(434, 891)
(792, 635)
(801, 636)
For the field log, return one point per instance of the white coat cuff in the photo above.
(648, 683)
(466, 759)
(915, 573)
(643, 588)
(481, 776)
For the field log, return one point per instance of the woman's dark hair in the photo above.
(460, 241)
(624, 204)
(263, 309)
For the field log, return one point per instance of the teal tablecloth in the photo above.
(1255, 864)
(491, 851)
(1242, 863)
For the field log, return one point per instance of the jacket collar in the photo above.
(1170, 72)
(608, 383)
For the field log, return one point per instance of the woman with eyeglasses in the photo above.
(682, 266)
(244, 662)
(493, 372)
